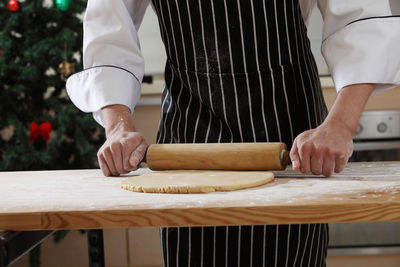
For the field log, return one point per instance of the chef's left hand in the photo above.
(322, 150)
(328, 147)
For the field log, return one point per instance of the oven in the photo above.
(377, 139)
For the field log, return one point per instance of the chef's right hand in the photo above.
(124, 148)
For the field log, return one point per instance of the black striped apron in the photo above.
(239, 71)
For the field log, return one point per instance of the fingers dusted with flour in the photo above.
(124, 148)
(122, 152)
(322, 150)
(138, 154)
(327, 148)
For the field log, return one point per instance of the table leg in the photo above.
(15, 244)
(96, 248)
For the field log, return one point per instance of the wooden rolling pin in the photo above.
(218, 156)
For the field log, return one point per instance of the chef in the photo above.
(239, 71)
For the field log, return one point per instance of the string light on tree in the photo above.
(13, 5)
(63, 5)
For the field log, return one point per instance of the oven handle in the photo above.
(377, 145)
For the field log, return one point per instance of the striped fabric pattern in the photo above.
(255, 245)
(239, 71)
(217, 64)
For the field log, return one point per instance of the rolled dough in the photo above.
(187, 181)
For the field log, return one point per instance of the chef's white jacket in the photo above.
(361, 44)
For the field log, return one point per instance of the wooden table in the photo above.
(43, 200)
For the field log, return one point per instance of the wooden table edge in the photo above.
(211, 216)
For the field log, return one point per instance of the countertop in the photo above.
(77, 199)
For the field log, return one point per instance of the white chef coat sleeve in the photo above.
(360, 42)
(112, 61)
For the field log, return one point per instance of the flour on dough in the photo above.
(187, 181)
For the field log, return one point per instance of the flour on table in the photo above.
(183, 181)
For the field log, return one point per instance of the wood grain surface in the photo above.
(218, 156)
(363, 192)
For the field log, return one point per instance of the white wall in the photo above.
(395, 6)
(315, 35)
(151, 44)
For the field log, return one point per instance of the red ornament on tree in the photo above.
(44, 130)
(13, 5)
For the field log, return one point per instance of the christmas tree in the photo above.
(40, 46)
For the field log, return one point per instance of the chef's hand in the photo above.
(328, 147)
(322, 150)
(124, 148)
